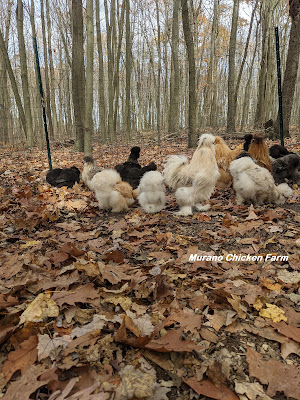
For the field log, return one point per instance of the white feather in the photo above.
(151, 192)
(255, 184)
(179, 172)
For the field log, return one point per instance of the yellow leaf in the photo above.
(258, 305)
(40, 309)
(273, 239)
(125, 302)
(272, 286)
(273, 312)
(30, 243)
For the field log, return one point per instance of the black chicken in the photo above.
(131, 171)
(277, 151)
(286, 167)
(60, 177)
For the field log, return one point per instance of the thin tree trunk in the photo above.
(24, 75)
(246, 101)
(244, 59)
(208, 105)
(37, 94)
(231, 69)
(188, 37)
(52, 77)
(291, 69)
(89, 88)
(13, 84)
(116, 86)
(266, 17)
(128, 71)
(4, 97)
(110, 68)
(158, 74)
(173, 125)
(78, 78)
(47, 85)
(102, 108)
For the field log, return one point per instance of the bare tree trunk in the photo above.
(110, 68)
(209, 95)
(244, 59)
(158, 74)
(89, 88)
(102, 108)
(39, 124)
(116, 86)
(291, 68)
(24, 75)
(266, 17)
(231, 69)
(47, 85)
(173, 125)
(78, 83)
(4, 98)
(128, 71)
(246, 101)
(13, 84)
(52, 77)
(188, 37)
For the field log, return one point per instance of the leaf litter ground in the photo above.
(97, 305)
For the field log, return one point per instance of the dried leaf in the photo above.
(80, 295)
(279, 377)
(273, 312)
(21, 359)
(172, 342)
(28, 384)
(207, 388)
(41, 308)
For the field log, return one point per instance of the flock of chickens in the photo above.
(259, 175)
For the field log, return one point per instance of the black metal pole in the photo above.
(279, 86)
(42, 101)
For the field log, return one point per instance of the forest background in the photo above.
(115, 67)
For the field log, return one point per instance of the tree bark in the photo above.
(89, 88)
(102, 108)
(13, 84)
(158, 74)
(47, 84)
(243, 60)
(231, 69)
(173, 125)
(4, 97)
(188, 37)
(128, 71)
(291, 69)
(110, 69)
(52, 77)
(39, 123)
(78, 78)
(24, 75)
(209, 106)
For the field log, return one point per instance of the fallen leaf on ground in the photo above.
(279, 377)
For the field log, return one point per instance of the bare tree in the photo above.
(188, 37)
(24, 75)
(78, 78)
(231, 69)
(4, 98)
(89, 87)
(128, 71)
(173, 124)
(102, 108)
(291, 68)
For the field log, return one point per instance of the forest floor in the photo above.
(101, 306)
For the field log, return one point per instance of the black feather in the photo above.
(60, 177)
